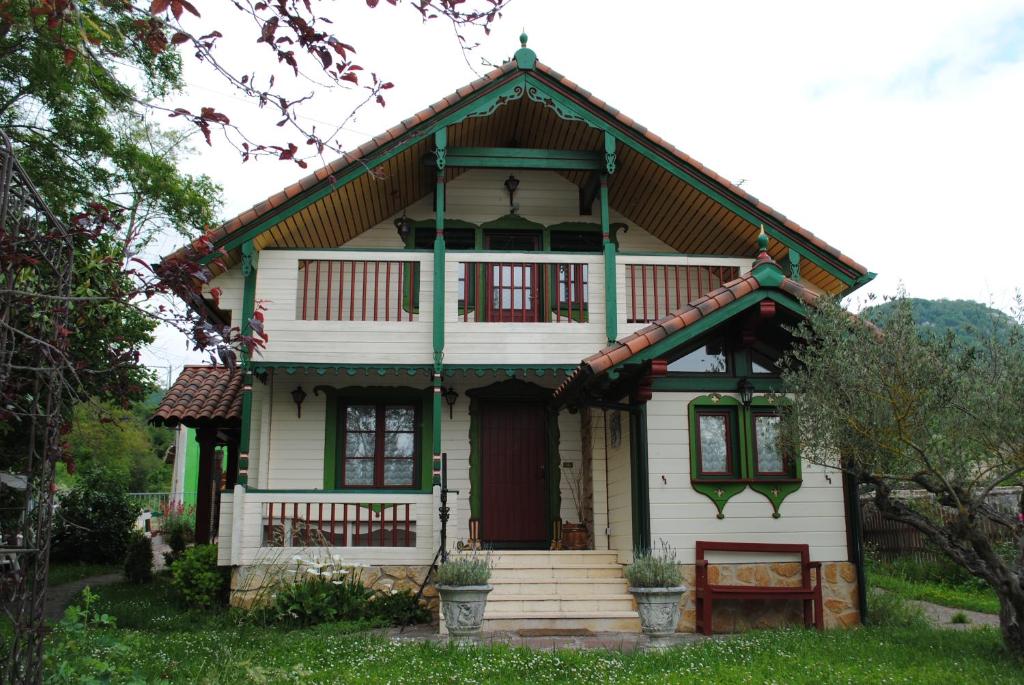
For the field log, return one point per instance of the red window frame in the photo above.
(379, 458)
(730, 443)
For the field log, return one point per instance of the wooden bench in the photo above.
(708, 592)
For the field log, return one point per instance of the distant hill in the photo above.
(966, 318)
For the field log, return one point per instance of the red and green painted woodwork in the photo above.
(548, 91)
(334, 447)
(248, 266)
(611, 311)
(721, 490)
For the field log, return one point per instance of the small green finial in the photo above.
(762, 241)
(525, 57)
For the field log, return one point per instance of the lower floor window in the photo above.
(735, 442)
(379, 447)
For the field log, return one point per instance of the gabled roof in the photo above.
(525, 103)
(202, 395)
(680, 326)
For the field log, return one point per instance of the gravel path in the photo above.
(940, 616)
(59, 597)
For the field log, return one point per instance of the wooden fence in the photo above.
(887, 540)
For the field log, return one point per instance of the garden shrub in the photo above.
(138, 564)
(655, 568)
(399, 608)
(464, 570)
(95, 519)
(197, 578)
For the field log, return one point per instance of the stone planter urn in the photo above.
(659, 612)
(463, 607)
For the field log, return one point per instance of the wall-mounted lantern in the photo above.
(450, 396)
(298, 397)
(746, 390)
(404, 227)
(511, 184)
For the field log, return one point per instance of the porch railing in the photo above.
(338, 524)
(656, 290)
(157, 502)
(357, 290)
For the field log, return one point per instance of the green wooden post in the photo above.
(440, 152)
(248, 307)
(610, 282)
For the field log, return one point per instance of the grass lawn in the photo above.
(156, 641)
(959, 596)
(65, 573)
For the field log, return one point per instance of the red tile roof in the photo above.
(202, 395)
(625, 348)
(359, 157)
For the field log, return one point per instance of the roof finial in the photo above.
(525, 57)
(762, 244)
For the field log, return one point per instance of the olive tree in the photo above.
(900, 408)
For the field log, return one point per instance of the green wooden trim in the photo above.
(398, 394)
(331, 475)
(727, 488)
(611, 306)
(435, 395)
(523, 158)
(441, 143)
(863, 280)
(336, 491)
(512, 222)
(713, 384)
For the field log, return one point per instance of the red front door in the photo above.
(513, 455)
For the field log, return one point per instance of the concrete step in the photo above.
(563, 605)
(534, 559)
(559, 587)
(566, 572)
(602, 621)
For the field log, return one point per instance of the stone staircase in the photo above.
(559, 590)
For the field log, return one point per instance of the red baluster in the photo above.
(316, 298)
(305, 286)
(632, 290)
(365, 274)
(330, 284)
(387, 291)
(352, 291)
(407, 543)
(376, 286)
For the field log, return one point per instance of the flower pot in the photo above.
(463, 607)
(574, 536)
(659, 611)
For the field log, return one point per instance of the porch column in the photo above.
(232, 469)
(248, 310)
(440, 152)
(611, 312)
(206, 487)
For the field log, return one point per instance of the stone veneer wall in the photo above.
(839, 597)
(251, 585)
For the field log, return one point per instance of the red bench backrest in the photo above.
(761, 548)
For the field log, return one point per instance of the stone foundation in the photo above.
(253, 585)
(838, 590)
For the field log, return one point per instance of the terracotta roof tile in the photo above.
(202, 395)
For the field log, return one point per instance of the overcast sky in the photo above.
(890, 129)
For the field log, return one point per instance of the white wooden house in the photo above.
(433, 294)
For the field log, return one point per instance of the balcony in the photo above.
(378, 307)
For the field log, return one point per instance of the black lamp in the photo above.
(746, 389)
(403, 226)
(450, 396)
(299, 396)
(511, 183)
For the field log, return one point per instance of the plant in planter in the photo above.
(657, 585)
(462, 585)
(574, 535)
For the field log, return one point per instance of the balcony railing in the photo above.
(357, 290)
(656, 290)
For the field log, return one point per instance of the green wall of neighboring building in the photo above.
(190, 484)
